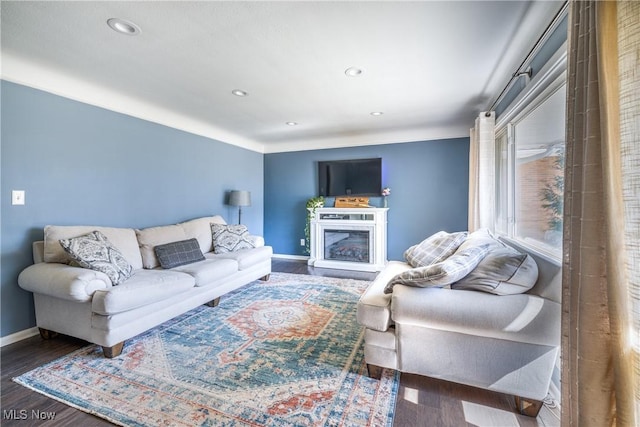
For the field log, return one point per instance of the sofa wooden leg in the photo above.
(114, 351)
(374, 371)
(528, 407)
(47, 334)
(213, 303)
(265, 278)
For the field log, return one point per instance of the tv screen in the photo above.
(358, 177)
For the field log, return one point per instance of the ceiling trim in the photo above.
(379, 138)
(23, 72)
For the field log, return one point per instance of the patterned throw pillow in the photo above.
(230, 238)
(95, 252)
(434, 249)
(179, 253)
(443, 273)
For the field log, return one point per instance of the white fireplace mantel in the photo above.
(330, 226)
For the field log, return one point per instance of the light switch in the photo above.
(17, 197)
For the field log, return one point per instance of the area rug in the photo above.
(287, 352)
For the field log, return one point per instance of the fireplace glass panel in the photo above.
(346, 245)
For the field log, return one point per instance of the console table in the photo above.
(349, 238)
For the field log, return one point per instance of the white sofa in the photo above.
(83, 303)
(504, 343)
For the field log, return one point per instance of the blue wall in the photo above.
(429, 184)
(81, 164)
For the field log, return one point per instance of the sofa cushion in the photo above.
(94, 251)
(209, 271)
(200, 228)
(122, 238)
(230, 238)
(246, 258)
(143, 287)
(178, 253)
(149, 238)
(443, 273)
(504, 271)
(434, 249)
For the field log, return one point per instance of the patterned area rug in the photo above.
(287, 352)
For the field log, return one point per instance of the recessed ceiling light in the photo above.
(238, 92)
(292, 123)
(377, 113)
(353, 71)
(124, 27)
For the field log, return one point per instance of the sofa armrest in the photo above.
(63, 281)
(374, 306)
(258, 241)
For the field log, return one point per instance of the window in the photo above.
(539, 176)
(530, 144)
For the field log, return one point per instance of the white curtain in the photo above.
(482, 172)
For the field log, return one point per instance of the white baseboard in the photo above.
(19, 336)
(295, 257)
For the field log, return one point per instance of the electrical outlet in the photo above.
(301, 242)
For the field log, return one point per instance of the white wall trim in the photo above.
(294, 257)
(19, 336)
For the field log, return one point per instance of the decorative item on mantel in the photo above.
(312, 204)
(352, 202)
(240, 198)
(386, 191)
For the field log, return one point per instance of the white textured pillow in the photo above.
(230, 238)
(434, 248)
(94, 251)
(443, 273)
(503, 271)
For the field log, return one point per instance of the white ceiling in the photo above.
(430, 66)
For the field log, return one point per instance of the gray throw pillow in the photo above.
(443, 273)
(434, 249)
(230, 238)
(503, 271)
(179, 253)
(95, 252)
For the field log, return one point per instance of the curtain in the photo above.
(601, 253)
(482, 172)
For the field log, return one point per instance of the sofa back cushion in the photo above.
(200, 229)
(122, 238)
(149, 238)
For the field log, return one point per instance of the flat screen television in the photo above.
(357, 177)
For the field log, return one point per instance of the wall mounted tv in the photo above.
(358, 177)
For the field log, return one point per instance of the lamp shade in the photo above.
(240, 198)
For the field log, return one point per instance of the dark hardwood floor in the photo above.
(421, 401)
